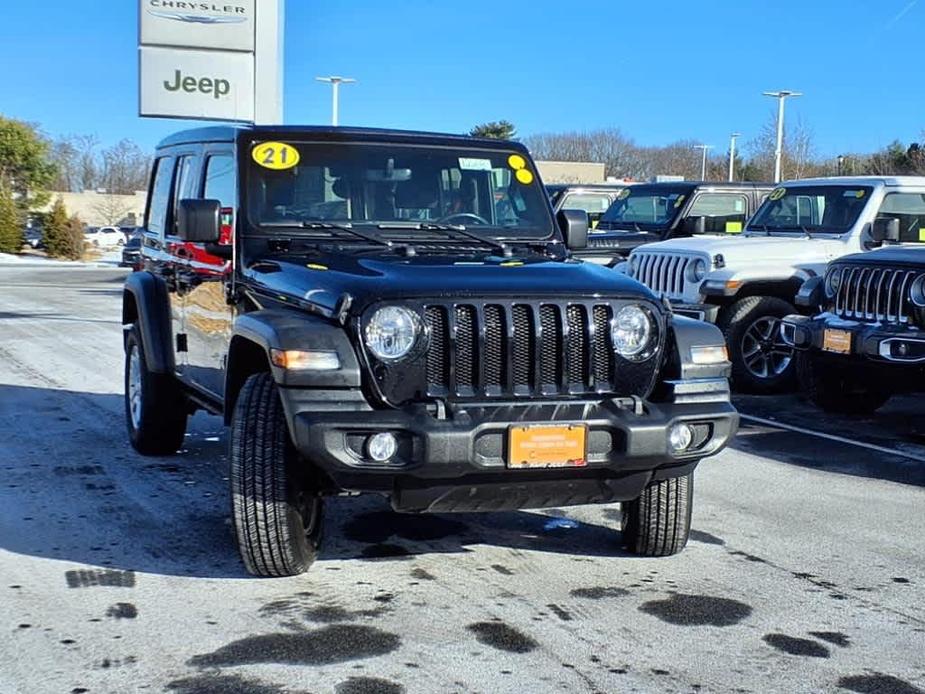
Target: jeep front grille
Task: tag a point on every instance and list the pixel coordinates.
(663, 273)
(542, 348)
(874, 294)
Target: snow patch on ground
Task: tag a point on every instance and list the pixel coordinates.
(107, 259)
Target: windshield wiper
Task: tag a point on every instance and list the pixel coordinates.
(346, 228)
(455, 228)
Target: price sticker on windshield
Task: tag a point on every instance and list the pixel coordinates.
(277, 156)
(777, 194)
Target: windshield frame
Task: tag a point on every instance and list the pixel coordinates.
(649, 191)
(756, 227)
(545, 231)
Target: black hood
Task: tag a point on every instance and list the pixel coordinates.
(888, 255)
(323, 279)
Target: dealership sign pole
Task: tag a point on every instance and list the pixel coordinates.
(219, 60)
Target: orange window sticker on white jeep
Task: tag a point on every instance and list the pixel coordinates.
(276, 155)
(733, 227)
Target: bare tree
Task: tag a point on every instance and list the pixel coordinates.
(86, 163)
(124, 168)
(113, 209)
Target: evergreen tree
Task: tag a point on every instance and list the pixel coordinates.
(56, 232)
(10, 232)
(500, 130)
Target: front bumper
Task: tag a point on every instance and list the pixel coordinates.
(456, 460)
(884, 344)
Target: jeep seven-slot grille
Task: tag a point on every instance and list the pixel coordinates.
(663, 273)
(519, 349)
(874, 294)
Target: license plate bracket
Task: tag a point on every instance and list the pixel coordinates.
(837, 341)
(537, 446)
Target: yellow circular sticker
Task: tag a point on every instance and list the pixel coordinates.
(859, 194)
(516, 162)
(777, 194)
(276, 155)
(677, 203)
(623, 194)
(524, 176)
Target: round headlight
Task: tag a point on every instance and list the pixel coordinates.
(832, 282)
(917, 291)
(392, 332)
(632, 332)
(698, 270)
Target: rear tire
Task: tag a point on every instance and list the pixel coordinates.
(836, 390)
(155, 409)
(278, 517)
(658, 523)
(761, 361)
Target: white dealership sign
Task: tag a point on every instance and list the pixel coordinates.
(214, 60)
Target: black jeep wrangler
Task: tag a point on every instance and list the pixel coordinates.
(647, 212)
(866, 342)
(397, 313)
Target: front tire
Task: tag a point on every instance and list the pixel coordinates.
(155, 409)
(836, 390)
(278, 517)
(762, 362)
(658, 523)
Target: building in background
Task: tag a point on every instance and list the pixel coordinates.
(571, 171)
(97, 208)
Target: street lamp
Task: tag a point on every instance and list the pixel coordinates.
(732, 154)
(335, 81)
(703, 164)
(841, 163)
(781, 96)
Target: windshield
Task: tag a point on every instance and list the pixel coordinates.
(643, 207)
(827, 209)
(490, 191)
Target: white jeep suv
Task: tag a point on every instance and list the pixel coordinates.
(746, 282)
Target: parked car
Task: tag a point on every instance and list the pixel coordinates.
(747, 282)
(594, 199)
(865, 341)
(131, 253)
(365, 319)
(104, 237)
(34, 238)
(650, 212)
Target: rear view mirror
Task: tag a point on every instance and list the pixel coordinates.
(199, 221)
(694, 225)
(574, 226)
(885, 230)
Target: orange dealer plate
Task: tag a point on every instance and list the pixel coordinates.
(542, 446)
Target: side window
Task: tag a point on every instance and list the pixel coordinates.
(724, 212)
(909, 209)
(220, 180)
(182, 188)
(159, 205)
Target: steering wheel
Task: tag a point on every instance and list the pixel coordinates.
(463, 216)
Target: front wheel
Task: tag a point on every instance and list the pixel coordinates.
(658, 523)
(761, 361)
(838, 390)
(277, 514)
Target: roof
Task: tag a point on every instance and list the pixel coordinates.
(690, 185)
(587, 186)
(858, 181)
(231, 133)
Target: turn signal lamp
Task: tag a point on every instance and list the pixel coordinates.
(709, 354)
(296, 360)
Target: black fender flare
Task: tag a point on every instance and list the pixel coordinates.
(145, 303)
(690, 332)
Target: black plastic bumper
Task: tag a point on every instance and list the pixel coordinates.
(899, 345)
(705, 312)
(457, 459)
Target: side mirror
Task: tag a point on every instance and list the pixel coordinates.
(574, 226)
(885, 229)
(199, 221)
(692, 226)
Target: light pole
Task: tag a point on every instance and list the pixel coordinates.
(781, 96)
(841, 163)
(703, 163)
(732, 154)
(335, 81)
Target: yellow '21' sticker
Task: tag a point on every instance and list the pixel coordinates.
(276, 155)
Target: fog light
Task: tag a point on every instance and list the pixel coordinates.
(680, 437)
(381, 447)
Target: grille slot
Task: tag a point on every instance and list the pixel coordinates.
(519, 349)
(874, 294)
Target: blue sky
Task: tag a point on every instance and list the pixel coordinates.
(660, 71)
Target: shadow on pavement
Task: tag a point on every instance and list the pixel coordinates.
(72, 489)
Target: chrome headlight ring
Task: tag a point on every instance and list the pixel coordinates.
(634, 333)
(392, 333)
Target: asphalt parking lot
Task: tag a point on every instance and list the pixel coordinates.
(805, 573)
